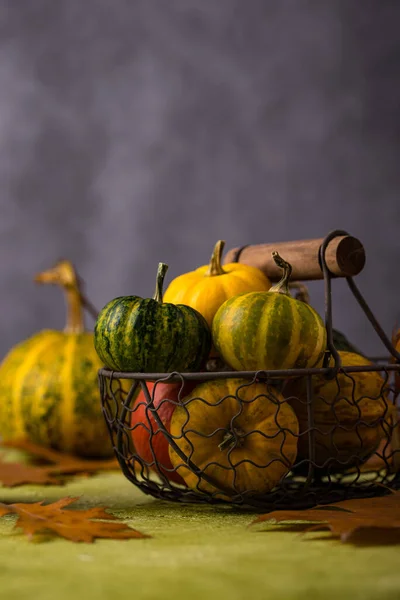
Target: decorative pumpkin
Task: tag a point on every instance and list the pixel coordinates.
(206, 288)
(269, 330)
(242, 435)
(150, 336)
(48, 383)
(150, 443)
(348, 414)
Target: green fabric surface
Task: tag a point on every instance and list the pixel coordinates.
(195, 553)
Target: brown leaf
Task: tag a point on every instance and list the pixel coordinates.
(349, 519)
(58, 464)
(73, 525)
(13, 474)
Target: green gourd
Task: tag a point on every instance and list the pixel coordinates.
(147, 335)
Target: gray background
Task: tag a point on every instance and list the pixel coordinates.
(143, 130)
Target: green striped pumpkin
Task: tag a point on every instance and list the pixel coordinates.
(146, 335)
(48, 383)
(269, 330)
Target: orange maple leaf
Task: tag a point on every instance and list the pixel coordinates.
(74, 525)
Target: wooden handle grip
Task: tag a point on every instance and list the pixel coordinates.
(345, 257)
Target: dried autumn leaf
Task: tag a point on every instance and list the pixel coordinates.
(376, 518)
(13, 474)
(58, 463)
(74, 525)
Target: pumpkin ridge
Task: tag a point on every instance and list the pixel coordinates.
(105, 322)
(139, 334)
(126, 317)
(245, 342)
(233, 311)
(243, 276)
(69, 397)
(124, 343)
(10, 364)
(172, 323)
(20, 375)
(41, 393)
(303, 342)
(318, 331)
(277, 337)
(87, 427)
(299, 338)
(191, 337)
(197, 295)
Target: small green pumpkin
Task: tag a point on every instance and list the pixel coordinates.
(269, 330)
(145, 335)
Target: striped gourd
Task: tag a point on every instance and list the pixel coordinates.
(48, 383)
(269, 330)
(146, 335)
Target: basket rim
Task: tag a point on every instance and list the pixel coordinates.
(260, 374)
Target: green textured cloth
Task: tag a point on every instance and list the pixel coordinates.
(196, 553)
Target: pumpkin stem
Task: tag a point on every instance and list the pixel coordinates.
(282, 287)
(161, 271)
(64, 275)
(231, 440)
(215, 267)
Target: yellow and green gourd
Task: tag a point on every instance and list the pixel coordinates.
(49, 383)
(269, 330)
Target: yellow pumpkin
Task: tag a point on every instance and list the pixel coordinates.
(350, 413)
(206, 288)
(240, 434)
(49, 383)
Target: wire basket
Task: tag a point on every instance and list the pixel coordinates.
(267, 439)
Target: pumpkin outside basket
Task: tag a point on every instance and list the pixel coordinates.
(306, 465)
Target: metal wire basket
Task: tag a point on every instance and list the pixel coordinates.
(266, 439)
